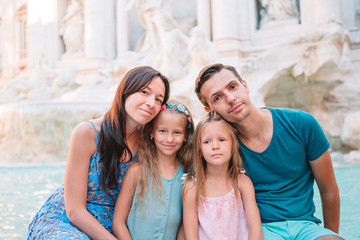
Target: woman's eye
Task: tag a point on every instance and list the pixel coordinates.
(144, 92)
(158, 100)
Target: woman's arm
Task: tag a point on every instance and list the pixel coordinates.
(190, 217)
(247, 193)
(82, 147)
(124, 202)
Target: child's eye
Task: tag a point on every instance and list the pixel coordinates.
(222, 139)
(162, 131)
(206, 142)
(178, 133)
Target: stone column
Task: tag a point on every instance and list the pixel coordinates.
(349, 9)
(34, 34)
(203, 17)
(8, 52)
(122, 34)
(225, 15)
(99, 29)
(42, 33)
(247, 21)
(226, 30)
(320, 11)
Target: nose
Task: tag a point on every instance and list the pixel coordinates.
(150, 101)
(215, 145)
(230, 98)
(170, 138)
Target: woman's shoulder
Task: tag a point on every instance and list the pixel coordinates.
(86, 129)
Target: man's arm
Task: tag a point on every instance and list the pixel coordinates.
(323, 172)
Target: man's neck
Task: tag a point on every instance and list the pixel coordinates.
(256, 130)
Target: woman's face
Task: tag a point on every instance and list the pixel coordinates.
(141, 107)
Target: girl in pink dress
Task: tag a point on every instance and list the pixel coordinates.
(218, 198)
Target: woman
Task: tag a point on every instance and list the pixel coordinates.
(98, 160)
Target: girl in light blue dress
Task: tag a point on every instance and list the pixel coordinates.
(149, 204)
(99, 154)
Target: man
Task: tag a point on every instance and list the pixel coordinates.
(283, 151)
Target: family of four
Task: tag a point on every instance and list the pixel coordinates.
(141, 171)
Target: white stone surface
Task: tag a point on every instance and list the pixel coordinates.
(51, 83)
(350, 135)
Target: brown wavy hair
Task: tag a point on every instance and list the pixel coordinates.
(148, 161)
(208, 72)
(112, 138)
(200, 165)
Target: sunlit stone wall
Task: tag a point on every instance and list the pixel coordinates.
(61, 60)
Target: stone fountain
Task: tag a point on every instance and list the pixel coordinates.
(288, 57)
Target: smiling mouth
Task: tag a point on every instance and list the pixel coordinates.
(235, 108)
(169, 146)
(146, 111)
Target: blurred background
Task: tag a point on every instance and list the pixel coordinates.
(61, 61)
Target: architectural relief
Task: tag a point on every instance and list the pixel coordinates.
(20, 37)
(45, 89)
(274, 11)
(72, 28)
(162, 39)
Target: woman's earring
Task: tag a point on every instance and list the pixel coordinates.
(151, 138)
(185, 141)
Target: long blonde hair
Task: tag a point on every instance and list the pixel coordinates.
(148, 160)
(199, 163)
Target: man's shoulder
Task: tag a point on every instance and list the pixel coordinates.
(288, 113)
(285, 110)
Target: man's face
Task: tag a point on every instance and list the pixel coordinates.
(227, 96)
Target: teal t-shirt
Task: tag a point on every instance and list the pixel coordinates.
(158, 219)
(281, 175)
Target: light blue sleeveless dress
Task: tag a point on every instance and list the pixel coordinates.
(158, 219)
(51, 222)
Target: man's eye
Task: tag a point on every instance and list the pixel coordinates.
(217, 98)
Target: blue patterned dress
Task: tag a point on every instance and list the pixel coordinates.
(51, 222)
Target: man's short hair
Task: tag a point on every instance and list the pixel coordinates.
(208, 72)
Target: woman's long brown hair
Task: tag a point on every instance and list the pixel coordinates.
(112, 138)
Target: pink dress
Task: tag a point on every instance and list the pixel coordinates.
(222, 218)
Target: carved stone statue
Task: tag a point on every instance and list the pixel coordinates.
(202, 52)
(155, 17)
(278, 10)
(163, 44)
(72, 30)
